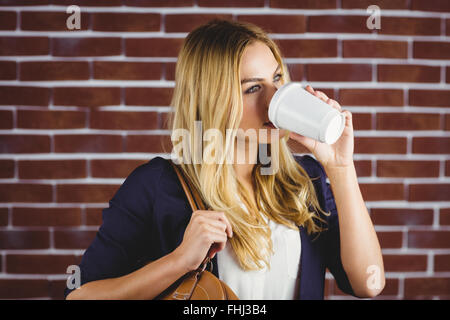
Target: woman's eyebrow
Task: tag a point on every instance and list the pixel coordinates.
(258, 79)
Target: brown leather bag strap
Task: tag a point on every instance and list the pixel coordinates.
(191, 192)
(194, 199)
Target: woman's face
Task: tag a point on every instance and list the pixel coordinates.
(260, 78)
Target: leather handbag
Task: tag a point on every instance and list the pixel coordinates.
(199, 284)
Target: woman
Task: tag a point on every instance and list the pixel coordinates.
(270, 236)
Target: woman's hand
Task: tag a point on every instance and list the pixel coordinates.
(339, 154)
(206, 233)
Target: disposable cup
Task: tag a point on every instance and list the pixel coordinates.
(295, 109)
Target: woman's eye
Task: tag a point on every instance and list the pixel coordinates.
(278, 77)
(252, 89)
(257, 87)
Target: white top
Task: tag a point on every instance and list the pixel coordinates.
(281, 282)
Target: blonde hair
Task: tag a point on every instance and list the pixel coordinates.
(207, 89)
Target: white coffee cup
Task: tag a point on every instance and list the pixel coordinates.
(295, 109)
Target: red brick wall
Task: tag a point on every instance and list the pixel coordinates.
(80, 109)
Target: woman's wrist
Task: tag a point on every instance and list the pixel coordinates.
(179, 261)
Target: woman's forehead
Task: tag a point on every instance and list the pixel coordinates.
(257, 61)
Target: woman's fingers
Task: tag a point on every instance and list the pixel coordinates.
(220, 216)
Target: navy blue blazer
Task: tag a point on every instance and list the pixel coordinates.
(149, 213)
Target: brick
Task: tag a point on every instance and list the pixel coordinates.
(429, 98)
(230, 3)
(401, 216)
(408, 73)
(447, 122)
(142, 96)
(363, 168)
(116, 70)
(170, 70)
(339, 72)
(444, 216)
(390, 239)
(73, 239)
(376, 145)
(90, 143)
(153, 47)
(23, 288)
(127, 22)
(6, 119)
(405, 262)
(54, 70)
(8, 70)
(49, 21)
(46, 217)
(87, 96)
(26, 96)
(374, 49)
(164, 120)
(23, 192)
(52, 119)
(6, 169)
(407, 168)
(382, 191)
(441, 262)
(296, 71)
(307, 48)
(29, 239)
(117, 168)
(429, 192)
(338, 24)
(362, 121)
(189, 22)
(85, 193)
(277, 23)
(24, 46)
(371, 97)
(8, 20)
(52, 169)
(21, 143)
(86, 3)
(431, 145)
(431, 50)
(3, 218)
(383, 4)
(428, 239)
(447, 168)
(39, 263)
(411, 26)
(305, 4)
(159, 3)
(23, 2)
(86, 47)
(94, 216)
(148, 143)
(408, 121)
(124, 120)
(436, 5)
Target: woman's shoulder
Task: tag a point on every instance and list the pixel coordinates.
(149, 176)
(151, 171)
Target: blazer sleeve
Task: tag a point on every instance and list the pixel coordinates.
(331, 237)
(125, 233)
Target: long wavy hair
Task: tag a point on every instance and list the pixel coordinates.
(207, 89)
